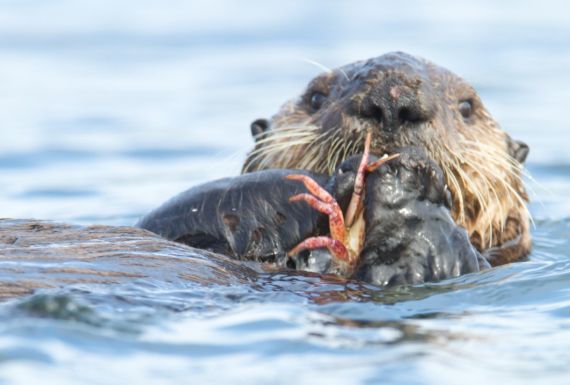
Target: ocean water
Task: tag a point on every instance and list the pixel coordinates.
(107, 108)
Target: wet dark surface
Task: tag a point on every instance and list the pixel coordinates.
(108, 108)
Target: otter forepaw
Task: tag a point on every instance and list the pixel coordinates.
(412, 176)
(411, 236)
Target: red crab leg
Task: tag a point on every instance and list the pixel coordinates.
(356, 200)
(323, 202)
(377, 163)
(313, 187)
(334, 246)
(355, 204)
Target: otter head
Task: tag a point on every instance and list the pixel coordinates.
(408, 101)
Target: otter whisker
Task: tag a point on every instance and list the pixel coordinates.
(317, 64)
(498, 161)
(505, 172)
(455, 187)
(314, 159)
(287, 139)
(496, 199)
(269, 148)
(325, 68)
(329, 154)
(497, 166)
(268, 138)
(335, 154)
(345, 148)
(471, 186)
(265, 154)
(494, 151)
(483, 196)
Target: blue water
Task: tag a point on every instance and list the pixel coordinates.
(107, 108)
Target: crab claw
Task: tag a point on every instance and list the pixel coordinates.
(313, 187)
(377, 163)
(322, 201)
(355, 205)
(343, 246)
(332, 209)
(335, 247)
(356, 200)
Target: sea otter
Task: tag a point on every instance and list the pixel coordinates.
(453, 202)
(409, 101)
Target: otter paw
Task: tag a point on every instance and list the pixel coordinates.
(410, 234)
(411, 176)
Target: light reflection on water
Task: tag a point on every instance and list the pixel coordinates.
(107, 108)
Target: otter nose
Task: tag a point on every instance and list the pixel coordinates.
(397, 102)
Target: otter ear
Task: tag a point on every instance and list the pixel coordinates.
(520, 150)
(517, 149)
(258, 128)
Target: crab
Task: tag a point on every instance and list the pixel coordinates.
(347, 232)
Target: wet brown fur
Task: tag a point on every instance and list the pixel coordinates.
(46, 255)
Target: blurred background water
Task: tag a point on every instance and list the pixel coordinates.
(107, 108)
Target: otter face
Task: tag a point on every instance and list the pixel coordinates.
(405, 101)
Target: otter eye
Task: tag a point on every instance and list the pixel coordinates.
(466, 108)
(317, 100)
